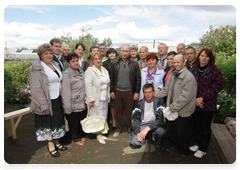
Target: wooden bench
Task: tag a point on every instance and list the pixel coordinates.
(225, 144)
(9, 117)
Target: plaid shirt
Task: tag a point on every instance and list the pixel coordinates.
(210, 84)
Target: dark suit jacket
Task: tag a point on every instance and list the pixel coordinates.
(61, 60)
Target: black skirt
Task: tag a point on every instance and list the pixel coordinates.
(51, 127)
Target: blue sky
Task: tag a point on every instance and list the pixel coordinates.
(31, 25)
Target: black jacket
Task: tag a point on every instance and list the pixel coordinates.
(138, 115)
(135, 75)
(61, 60)
(107, 64)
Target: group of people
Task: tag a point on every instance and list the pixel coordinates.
(140, 86)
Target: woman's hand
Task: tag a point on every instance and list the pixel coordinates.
(46, 112)
(158, 90)
(91, 104)
(199, 101)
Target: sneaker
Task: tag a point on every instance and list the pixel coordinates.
(194, 148)
(199, 154)
(170, 149)
(181, 157)
(116, 134)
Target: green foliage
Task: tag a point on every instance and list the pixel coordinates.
(86, 38)
(23, 96)
(228, 69)
(15, 75)
(20, 49)
(222, 39)
(227, 107)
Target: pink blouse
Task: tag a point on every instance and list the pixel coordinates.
(166, 78)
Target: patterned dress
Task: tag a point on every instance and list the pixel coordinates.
(102, 109)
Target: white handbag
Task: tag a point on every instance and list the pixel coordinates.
(93, 123)
(169, 115)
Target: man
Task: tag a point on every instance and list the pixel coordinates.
(102, 49)
(181, 49)
(162, 59)
(65, 51)
(147, 116)
(190, 53)
(180, 89)
(56, 43)
(125, 85)
(143, 52)
(92, 50)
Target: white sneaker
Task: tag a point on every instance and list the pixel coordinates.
(104, 137)
(194, 148)
(199, 154)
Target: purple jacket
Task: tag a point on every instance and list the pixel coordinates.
(211, 83)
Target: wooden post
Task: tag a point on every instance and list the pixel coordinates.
(10, 127)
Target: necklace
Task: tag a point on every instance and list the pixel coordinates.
(202, 70)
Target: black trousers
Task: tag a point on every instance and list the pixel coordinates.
(75, 126)
(179, 134)
(202, 122)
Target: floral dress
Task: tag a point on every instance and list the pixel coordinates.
(102, 109)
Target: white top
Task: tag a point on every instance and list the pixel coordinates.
(149, 115)
(54, 82)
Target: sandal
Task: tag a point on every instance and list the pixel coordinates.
(60, 147)
(53, 154)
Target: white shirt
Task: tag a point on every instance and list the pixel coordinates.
(149, 115)
(54, 82)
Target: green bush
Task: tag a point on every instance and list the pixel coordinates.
(227, 107)
(15, 76)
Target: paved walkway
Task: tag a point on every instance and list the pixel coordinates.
(27, 150)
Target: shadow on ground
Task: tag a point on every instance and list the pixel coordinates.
(27, 150)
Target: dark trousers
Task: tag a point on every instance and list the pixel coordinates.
(202, 121)
(179, 134)
(75, 126)
(123, 100)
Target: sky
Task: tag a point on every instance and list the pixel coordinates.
(31, 25)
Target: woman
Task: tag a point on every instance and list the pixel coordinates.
(111, 55)
(133, 52)
(151, 74)
(73, 95)
(168, 71)
(79, 50)
(97, 86)
(209, 79)
(45, 84)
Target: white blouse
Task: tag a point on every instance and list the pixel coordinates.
(54, 82)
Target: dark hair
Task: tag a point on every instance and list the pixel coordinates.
(111, 50)
(81, 44)
(191, 48)
(147, 86)
(209, 53)
(70, 56)
(152, 56)
(55, 40)
(102, 44)
(172, 53)
(91, 48)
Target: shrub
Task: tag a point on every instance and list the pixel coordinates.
(23, 96)
(15, 75)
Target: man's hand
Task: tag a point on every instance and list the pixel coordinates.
(46, 112)
(112, 95)
(68, 113)
(139, 138)
(136, 97)
(158, 90)
(160, 67)
(144, 132)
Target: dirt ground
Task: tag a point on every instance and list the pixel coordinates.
(27, 150)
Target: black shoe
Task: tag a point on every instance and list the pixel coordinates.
(134, 147)
(55, 154)
(170, 149)
(61, 148)
(159, 150)
(181, 157)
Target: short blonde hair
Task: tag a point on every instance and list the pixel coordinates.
(44, 47)
(93, 57)
(133, 46)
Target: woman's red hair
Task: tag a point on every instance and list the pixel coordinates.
(209, 53)
(152, 56)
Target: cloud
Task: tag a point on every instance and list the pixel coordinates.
(40, 11)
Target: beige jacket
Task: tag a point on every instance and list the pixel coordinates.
(73, 91)
(185, 90)
(93, 86)
(38, 82)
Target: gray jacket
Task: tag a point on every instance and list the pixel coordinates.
(38, 81)
(73, 91)
(185, 90)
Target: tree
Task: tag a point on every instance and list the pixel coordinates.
(20, 49)
(220, 40)
(86, 38)
(107, 42)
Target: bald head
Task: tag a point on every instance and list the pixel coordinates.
(179, 62)
(124, 51)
